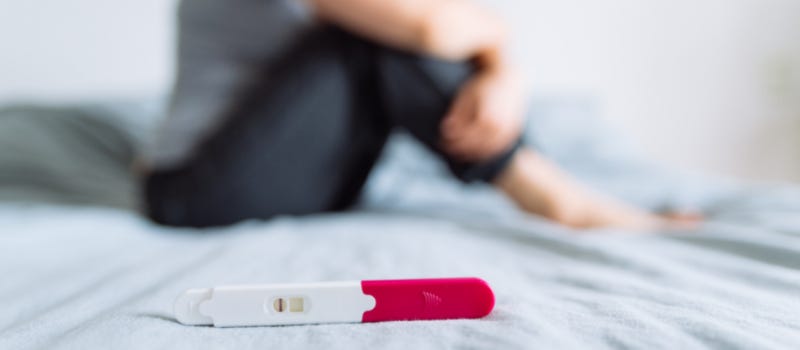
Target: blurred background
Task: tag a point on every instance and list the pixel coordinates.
(703, 85)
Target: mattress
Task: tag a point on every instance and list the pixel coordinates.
(79, 274)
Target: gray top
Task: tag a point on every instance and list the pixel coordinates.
(221, 44)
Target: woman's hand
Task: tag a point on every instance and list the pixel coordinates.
(486, 117)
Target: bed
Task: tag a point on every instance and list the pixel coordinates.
(82, 269)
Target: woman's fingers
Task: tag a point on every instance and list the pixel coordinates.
(464, 146)
(484, 119)
(457, 128)
(459, 116)
(483, 137)
(477, 140)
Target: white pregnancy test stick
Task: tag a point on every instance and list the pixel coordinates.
(335, 302)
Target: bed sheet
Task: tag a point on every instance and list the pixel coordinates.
(83, 277)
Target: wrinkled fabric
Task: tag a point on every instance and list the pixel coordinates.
(78, 277)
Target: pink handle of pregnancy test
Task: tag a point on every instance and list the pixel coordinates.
(428, 299)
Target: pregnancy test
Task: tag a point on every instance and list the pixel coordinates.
(335, 302)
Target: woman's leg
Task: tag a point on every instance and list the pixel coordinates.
(302, 141)
(417, 93)
(538, 186)
(305, 139)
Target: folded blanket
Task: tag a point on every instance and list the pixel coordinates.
(65, 155)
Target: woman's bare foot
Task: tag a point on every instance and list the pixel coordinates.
(538, 186)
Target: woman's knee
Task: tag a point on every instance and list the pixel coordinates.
(445, 77)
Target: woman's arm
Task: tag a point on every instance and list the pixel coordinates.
(485, 118)
(447, 29)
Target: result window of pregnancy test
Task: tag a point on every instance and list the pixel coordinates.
(291, 304)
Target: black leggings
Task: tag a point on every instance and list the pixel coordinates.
(305, 140)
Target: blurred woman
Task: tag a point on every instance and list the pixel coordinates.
(283, 107)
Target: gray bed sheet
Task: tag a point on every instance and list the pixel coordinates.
(84, 277)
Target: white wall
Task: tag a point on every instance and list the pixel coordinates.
(77, 49)
(711, 85)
